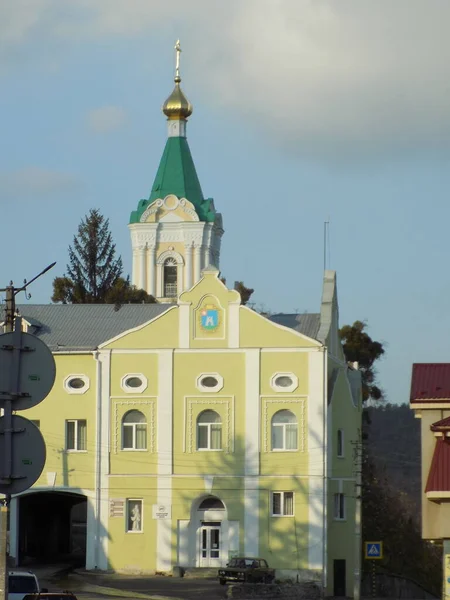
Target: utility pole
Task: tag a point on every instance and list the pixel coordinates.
(6, 476)
(357, 457)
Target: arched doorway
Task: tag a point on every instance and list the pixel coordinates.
(52, 526)
(209, 532)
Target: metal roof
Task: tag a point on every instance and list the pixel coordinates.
(430, 381)
(439, 475)
(306, 323)
(443, 425)
(85, 326)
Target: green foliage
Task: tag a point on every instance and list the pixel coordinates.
(359, 347)
(244, 291)
(123, 292)
(94, 274)
(388, 514)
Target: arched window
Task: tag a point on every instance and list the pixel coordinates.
(209, 431)
(284, 430)
(170, 277)
(340, 443)
(134, 431)
(211, 503)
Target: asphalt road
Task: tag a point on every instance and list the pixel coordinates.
(124, 586)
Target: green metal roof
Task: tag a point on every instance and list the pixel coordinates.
(177, 175)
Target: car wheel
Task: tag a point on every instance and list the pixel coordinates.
(222, 581)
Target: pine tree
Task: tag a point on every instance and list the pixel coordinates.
(93, 270)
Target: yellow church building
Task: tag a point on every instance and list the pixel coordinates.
(186, 432)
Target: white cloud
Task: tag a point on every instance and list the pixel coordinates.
(331, 75)
(106, 119)
(31, 182)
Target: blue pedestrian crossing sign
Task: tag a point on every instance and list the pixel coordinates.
(373, 550)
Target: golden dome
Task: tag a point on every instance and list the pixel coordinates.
(177, 106)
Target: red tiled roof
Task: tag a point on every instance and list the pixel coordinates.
(439, 475)
(430, 381)
(443, 425)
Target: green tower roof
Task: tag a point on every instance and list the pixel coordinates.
(177, 175)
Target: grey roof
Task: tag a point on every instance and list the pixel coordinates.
(307, 323)
(85, 326)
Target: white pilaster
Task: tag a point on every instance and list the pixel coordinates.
(151, 258)
(317, 450)
(206, 255)
(135, 269)
(142, 268)
(165, 458)
(188, 268)
(103, 376)
(183, 324)
(252, 450)
(197, 263)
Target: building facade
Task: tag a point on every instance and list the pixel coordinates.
(185, 432)
(430, 400)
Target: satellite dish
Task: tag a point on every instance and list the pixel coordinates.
(36, 374)
(28, 455)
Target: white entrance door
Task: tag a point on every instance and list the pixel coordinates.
(210, 545)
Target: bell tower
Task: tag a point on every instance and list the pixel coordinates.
(176, 232)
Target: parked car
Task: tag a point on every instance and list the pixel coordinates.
(246, 570)
(21, 583)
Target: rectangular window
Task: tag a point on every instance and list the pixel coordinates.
(134, 516)
(340, 443)
(339, 507)
(76, 434)
(282, 504)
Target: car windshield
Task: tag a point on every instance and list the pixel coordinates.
(20, 584)
(244, 563)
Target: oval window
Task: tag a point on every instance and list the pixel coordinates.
(76, 383)
(283, 381)
(133, 382)
(209, 381)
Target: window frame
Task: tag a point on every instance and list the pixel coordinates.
(340, 450)
(207, 389)
(77, 423)
(339, 507)
(172, 265)
(288, 389)
(283, 427)
(134, 436)
(127, 515)
(282, 495)
(134, 390)
(208, 427)
(71, 390)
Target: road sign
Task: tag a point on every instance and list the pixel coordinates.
(28, 455)
(373, 550)
(37, 370)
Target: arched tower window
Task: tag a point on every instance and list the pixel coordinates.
(170, 278)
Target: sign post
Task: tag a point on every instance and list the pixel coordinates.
(21, 387)
(373, 551)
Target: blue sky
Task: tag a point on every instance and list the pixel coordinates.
(303, 112)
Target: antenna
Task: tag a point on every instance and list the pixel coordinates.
(326, 244)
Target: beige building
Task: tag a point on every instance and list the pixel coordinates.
(430, 400)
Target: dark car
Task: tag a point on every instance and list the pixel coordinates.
(246, 570)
